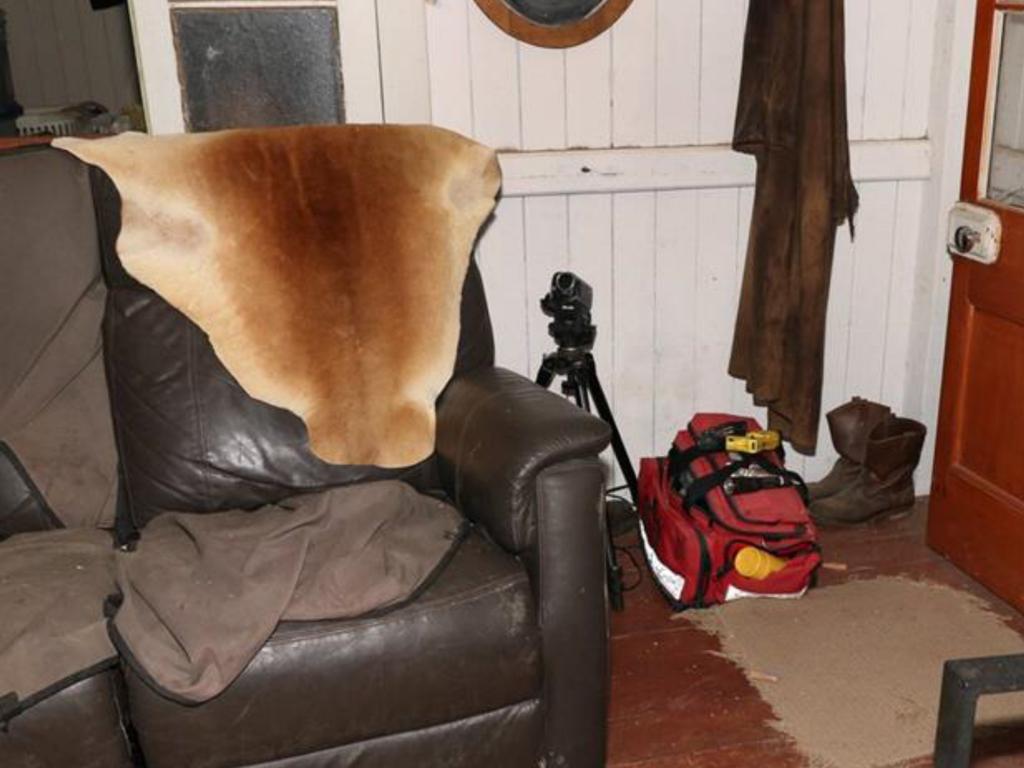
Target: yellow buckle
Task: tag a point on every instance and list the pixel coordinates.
(753, 442)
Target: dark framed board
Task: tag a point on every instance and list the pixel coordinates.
(253, 67)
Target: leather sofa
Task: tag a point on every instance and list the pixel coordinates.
(500, 661)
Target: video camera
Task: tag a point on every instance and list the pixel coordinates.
(568, 304)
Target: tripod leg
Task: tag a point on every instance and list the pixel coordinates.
(545, 374)
(578, 383)
(614, 571)
(573, 386)
(612, 567)
(579, 396)
(605, 412)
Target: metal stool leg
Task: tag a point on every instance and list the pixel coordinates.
(963, 681)
(955, 732)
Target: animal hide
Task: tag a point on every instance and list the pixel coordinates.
(325, 263)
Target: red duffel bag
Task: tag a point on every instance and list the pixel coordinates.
(720, 491)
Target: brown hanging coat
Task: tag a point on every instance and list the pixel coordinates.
(791, 116)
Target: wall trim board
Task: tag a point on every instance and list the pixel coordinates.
(581, 171)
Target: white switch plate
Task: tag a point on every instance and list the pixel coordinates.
(983, 221)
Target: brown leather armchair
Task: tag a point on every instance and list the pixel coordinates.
(501, 661)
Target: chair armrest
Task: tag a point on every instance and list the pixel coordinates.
(523, 463)
(496, 431)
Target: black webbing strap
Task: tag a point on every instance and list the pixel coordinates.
(698, 490)
(713, 441)
(706, 443)
(792, 478)
(679, 461)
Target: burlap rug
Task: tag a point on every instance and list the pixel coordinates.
(853, 671)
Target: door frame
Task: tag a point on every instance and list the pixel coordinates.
(156, 57)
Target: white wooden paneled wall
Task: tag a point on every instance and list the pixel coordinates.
(666, 265)
(617, 166)
(64, 52)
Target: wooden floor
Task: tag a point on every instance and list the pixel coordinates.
(674, 705)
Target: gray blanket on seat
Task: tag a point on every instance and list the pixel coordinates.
(201, 594)
(52, 631)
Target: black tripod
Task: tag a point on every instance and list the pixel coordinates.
(577, 365)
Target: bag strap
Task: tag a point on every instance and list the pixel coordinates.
(704, 444)
(789, 477)
(698, 490)
(712, 441)
(679, 461)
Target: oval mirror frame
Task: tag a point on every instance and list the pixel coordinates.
(563, 35)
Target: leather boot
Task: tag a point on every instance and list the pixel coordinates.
(885, 484)
(849, 425)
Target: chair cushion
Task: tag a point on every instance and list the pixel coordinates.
(80, 726)
(468, 645)
(509, 737)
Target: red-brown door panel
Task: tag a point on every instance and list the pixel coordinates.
(982, 532)
(989, 446)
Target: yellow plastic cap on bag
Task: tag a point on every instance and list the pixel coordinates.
(755, 563)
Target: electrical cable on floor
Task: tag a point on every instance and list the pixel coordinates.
(635, 558)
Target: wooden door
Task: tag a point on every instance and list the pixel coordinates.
(977, 506)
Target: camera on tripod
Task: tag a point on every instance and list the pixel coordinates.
(568, 304)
